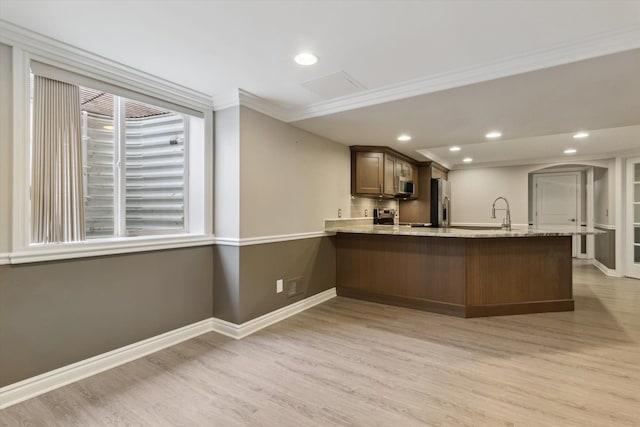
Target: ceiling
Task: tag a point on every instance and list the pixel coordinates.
(443, 71)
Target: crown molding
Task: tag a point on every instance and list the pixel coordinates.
(546, 162)
(66, 56)
(228, 99)
(429, 155)
(590, 47)
(241, 97)
(247, 99)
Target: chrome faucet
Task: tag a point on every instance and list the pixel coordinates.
(506, 222)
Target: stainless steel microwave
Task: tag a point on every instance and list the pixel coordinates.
(404, 186)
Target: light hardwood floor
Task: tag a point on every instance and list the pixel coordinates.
(349, 362)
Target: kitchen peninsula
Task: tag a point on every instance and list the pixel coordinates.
(456, 271)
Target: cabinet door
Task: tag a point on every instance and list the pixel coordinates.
(390, 165)
(369, 172)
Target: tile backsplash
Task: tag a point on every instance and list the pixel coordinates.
(360, 204)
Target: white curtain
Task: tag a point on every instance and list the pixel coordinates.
(57, 201)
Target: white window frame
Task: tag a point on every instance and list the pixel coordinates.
(27, 47)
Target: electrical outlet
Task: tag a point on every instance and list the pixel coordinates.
(279, 286)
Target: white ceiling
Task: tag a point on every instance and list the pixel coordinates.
(411, 50)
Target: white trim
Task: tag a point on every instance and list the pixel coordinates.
(590, 239)
(91, 248)
(604, 226)
(4, 258)
(243, 98)
(31, 387)
(247, 241)
(589, 47)
(66, 56)
(632, 268)
(620, 213)
(604, 269)
(247, 99)
(236, 331)
(21, 226)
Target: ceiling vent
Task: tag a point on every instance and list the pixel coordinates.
(334, 85)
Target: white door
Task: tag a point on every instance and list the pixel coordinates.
(633, 218)
(557, 201)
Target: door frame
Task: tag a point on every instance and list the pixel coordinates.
(576, 253)
(631, 269)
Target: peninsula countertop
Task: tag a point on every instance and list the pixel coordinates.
(457, 231)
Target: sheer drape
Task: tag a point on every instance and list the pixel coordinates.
(57, 202)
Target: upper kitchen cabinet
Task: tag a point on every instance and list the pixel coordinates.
(382, 172)
(367, 173)
(439, 172)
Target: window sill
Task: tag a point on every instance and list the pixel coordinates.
(100, 247)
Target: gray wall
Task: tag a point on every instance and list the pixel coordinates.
(245, 277)
(605, 248)
(56, 313)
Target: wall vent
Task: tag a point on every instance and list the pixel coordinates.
(295, 286)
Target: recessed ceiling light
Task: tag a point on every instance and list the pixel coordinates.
(467, 160)
(570, 151)
(493, 134)
(107, 127)
(454, 148)
(305, 58)
(404, 138)
(581, 135)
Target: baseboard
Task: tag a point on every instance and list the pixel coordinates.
(242, 330)
(34, 386)
(606, 270)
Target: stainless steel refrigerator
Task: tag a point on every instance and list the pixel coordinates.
(440, 203)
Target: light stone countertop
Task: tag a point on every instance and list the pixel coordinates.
(457, 231)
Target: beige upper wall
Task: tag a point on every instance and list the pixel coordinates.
(291, 180)
(6, 130)
(474, 190)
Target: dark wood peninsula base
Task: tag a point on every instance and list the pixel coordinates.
(465, 277)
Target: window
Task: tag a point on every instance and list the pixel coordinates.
(134, 164)
(145, 160)
(144, 150)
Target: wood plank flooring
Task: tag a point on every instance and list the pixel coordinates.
(354, 363)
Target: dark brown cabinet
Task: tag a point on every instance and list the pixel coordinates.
(367, 173)
(377, 171)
